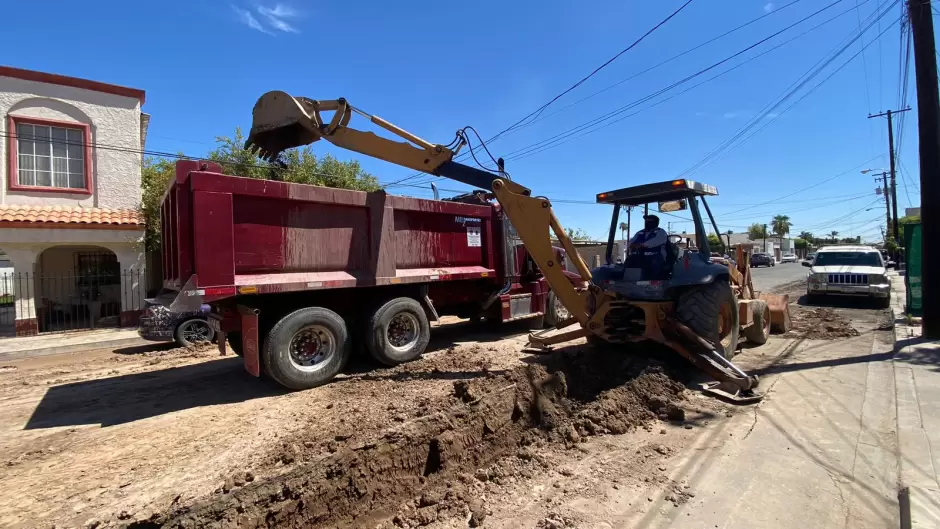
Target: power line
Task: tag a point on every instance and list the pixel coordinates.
(565, 136)
(858, 16)
(539, 110)
(661, 63)
(814, 71)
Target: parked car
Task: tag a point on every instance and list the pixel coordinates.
(809, 259)
(159, 324)
(788, 258)
(762, 259)
(849, 271)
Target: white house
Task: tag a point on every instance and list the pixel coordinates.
(69, 222)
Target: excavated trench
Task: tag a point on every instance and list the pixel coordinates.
(430, 462)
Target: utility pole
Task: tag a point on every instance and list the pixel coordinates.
(765, 239)
(928, 125)
(892, 224)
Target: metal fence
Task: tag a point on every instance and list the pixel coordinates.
(43, 303)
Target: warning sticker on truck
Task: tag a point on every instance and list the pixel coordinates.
(473, 237)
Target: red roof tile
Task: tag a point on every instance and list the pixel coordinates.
(70, 215)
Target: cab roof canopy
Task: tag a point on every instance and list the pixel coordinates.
(658, 192)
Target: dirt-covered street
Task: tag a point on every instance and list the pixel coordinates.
(477, 433)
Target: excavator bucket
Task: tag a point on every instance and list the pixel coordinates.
(280, 122)
(779, 305)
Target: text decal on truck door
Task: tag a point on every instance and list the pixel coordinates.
(473, 237)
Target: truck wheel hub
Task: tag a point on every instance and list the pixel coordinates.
(402, 331)
(311, 346)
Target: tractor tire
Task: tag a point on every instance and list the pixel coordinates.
(759, 331)
(554, 310)
(398, 332)
(307, 348)
(703, 309)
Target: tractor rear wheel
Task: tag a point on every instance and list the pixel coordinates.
(711, 311)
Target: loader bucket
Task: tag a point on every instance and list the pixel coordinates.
(279, 122)
(779, 305)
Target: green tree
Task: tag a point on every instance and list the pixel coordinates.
(296, 165)
(623, 230)
(714, 242)
(834, 236)
(577, 234)
(780, 225)
(756, 231)
(800, 243)
(806, 236)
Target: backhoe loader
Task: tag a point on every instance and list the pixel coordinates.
(696, 311)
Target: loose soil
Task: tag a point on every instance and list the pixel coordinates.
(819, 324)
(144, 436)
(436, 464)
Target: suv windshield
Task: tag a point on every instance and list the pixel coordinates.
(848, 259)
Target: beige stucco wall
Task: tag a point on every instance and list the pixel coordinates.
(115, 122)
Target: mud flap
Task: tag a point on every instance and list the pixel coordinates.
(250, 354)
(779, 305)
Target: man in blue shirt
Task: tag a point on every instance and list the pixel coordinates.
(649, 248)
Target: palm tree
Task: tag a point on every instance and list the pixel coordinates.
(781, 225)
(834, 235)
(623, 230)
(806, 236)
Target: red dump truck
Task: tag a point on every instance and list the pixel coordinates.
(297, 276)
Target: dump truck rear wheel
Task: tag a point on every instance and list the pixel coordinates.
(398, 332)
(307, 348)
(758, 332)
(711, 311)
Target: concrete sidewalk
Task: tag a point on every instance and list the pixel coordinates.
(917, 379)
(71, 342)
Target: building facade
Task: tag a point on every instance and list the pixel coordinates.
(70, 229)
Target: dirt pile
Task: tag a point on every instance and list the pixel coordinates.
(437, 467)
(820, 324)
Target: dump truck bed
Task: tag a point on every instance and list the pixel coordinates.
(224, 235)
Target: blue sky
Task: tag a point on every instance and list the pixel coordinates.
(433, 68)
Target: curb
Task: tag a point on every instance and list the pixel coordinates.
(75, 348)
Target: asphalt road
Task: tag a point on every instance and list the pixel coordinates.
(767, 279)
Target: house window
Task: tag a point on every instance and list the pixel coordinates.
(97, 268)
(50, 156)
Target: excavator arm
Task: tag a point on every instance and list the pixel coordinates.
(281, 121)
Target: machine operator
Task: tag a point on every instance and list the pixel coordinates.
(648, 249)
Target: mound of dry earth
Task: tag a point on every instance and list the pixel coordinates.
(432, 468)
(819, 324)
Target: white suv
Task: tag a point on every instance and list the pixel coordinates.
(849, 271)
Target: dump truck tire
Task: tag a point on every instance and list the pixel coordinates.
(700, 309)
(759, 331)
(398, 332)
(554, 310)
(307, 348)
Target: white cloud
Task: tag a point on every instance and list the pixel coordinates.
(731, 115)
(771, 115)
(768, 7)
(249, 20)
(277, 16)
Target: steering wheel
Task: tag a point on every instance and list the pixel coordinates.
(674, 239)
